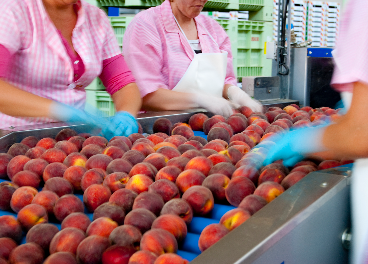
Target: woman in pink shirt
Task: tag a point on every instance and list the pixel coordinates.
(182, 59)
(50, 51)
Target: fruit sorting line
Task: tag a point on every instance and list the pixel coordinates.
(303, 225)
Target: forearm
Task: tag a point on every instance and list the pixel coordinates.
(224, 92)
(128, 99)
(16, 102)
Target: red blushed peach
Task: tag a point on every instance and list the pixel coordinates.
(75, 159)
(155, 138)
(61, 258)
(184, 131)
(276, 166)
(267, 136)
(6, 192)
(66, 146)
(126, 236)
(234, 218)
(316, 116)
(18, 149)
(252, 203)
(305, 162)
(180, 208)
(27, 253)
(16, 165)
(300, 113)
(47, 199)
(119, 165)
(216, 146)
(301, 117)
(31, 215)
(273, 129)
(176, 140)
(222, 142)
(254, 136)
(90, 150)
(218, 133)
(170, 258)
(192, 153)
(217, 183)
(210, 235)
(207, 125)
(274, 175)
(292, 178)
(92, 176)
(36, 165)
(163, 135)
(165, 188)
(169, 173)
(139, 183)
(52, 170)
(165, 144)
(76, 220)
(179, 162)
(282, 123)
(74, 175)
(60, 186)
(150, 201)
(156, 159)
(233, 154)
(123, 198)
(189, 178)
(67, 240)
(301, 123)
(269, 190)
(67, 205)
(140, 218)
(163, 125)
(30, 141)
(95, 195)
(327, 164)
(172, 223)
(142, 256)
(179, 124)
(126, 140)
(283, 115)
(200, 199)
(245, 110)
(53, 155)
(305, 169)
(200, 139)
(123, 145)
(255, 128)
(225, 168)
(110, 210)
(6, 246)
(4, 161)
(27, 178)
(237, 189)
(143, 140)
(225, 125)
(218, 158)
(242, 149)
(77, 141)
(290, 109)
(159, 241)
(113, 152)
(42, 235)
(90, 250)
(96, 140)
(102, 226)
(144, 148)
(244, 138)
(296, 106)
(237, 123)
(65, 134)
(135, 136)
(183, 148)
(247, 171)
(144, 168)
(262, 123)
(195, 144)
(116, 181)
(169, 152)
(46, 143)
(99, 161)
(271, 116)
(196, 121)
(306, 108)
(10, 227)
(117, 254)
(201, 164)
(22, 197)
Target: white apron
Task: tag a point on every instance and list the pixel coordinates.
(205, 74)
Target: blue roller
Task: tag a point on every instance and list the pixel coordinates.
(190, 244)
(186, 255)
(199, 223)
(219, 210)
(201, 134)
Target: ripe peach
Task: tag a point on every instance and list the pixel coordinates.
(194, 143)
(77, 220)
(156, 159)
(16, 165)
(30, 141)
(169, 173)
(169, 152)
(66, 146)
(116, 181)
(77, 141)
(100, 161)
(96, 140)
(150, 201)
(123, 144)
(126, 140)
(126, 236)
(233, 154)
(22, 197)
(102, 226)
(218, 133)
(18, 149)
(225, 125)
(47, 199)
(140, 218)
(196, 121)
(292, 178)
(6, 246)
(225, 168)
(66, 205)
(170, 258)
(290, 109)
(267, 136)
(273, 129)
(61, 258)
(95, 195)
(144, 148)
(247, 171)
(237, 123)
(113, 152)
(53, 155)
(244, 138)
(200, 199)
(278, 166)
(10, 227)
(271, 116)
(201, 164)
(119, 165)
(180, 208)
(189, 178)
(144, 168)
(142, 256)
(274, 175)
(159, 241)
(165, 188)
(155, 138)
(305, 169)
(27, 253)
(90, 150)
(218, 158)
(67, 240)
(306, 108)
(327, 164)
(6, 192)
(234, 218)
(237, 189)
(110, 210)
(163, 125)
(91, 248)
(60, 186)
(42, 234)
(4, 161)
(36, 165)
(184, 131)
(143, 140)
(163, 135)
(283, 115)
(179, 162)
(26, 178)
(192, 153)
(245, 110)
(269, 190)
(65, 134)
(185, 147)
(252, 203)
(139, 183)
(169, 144)
(200, 139)
(210, 235)
(282, 123)
(92, 176)
(123, 198)
(46, 143)
(217, 183)
(216, 146)
(31, 215)
(306, 162)
(207, 125)
(262, 123)
(135, 136)
(254, 136)
(75, 159)
(74, 175)
(52, 170)
(301, 123)
(176, 140)
(172, 223)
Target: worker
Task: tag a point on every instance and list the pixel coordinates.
(182, 59)
(50, 51)
(348, 136)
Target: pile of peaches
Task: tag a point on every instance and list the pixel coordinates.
(143, 191)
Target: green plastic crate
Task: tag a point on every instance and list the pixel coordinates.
(219, 4)
(250, 5)
(102, 101)
(130, 3)
(96, 85)
(119, 24)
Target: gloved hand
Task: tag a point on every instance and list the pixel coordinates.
(121, 124)
(216, 105)
(238, 96)
(292, 146)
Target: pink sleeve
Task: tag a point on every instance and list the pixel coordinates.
(115, 74)
(351, 54)
(5, 56)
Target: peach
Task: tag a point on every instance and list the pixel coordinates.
(31, 215)
(305, 162)
(216, 146)
(183, 148)
(163, 135)
(292, 178)
(252, 203)
(290, 109)
(126, 236)
(234, 218)
(67, 205)
(343, 161)
(327, 164)
(273, 129)
(155, 139)
(269, 190)
(281, 123)
(4, 161)
(143, 140)
(77, 220)
(126, 140)
(117, 254)
(135, 136)
(180, 208)
(156, 159)
(113, 152)
(301, 123)
(163, 125)
(90, 150)
(165, 188)
(189, 178)
(36, 165)
(246, 111)
(27, 178)
(218, 133)
(184, 131)
(255, 128)
(52, 170)
(95, 195)
(42, 234)
(119, 165)
(200, 139)
(267, 136)
(306, 108)
(30, 141)
(210, 235)
(301, 117)
(283, 115)
(140, 128)
(67, 240)
(237, 123)
(47, 199)
(96, 140)
(92, 176)
(304, 168)
(296, 106)
(46, 143)
(100, 161)
(6, 246)
(247, 171)
(233, 154)
(198, 145)
(74, 175)
(159, 241)
(192, 153)
(142, 256)
(85, 135)
(225, 168)
(16, 165)
(60, 186)
(200, 199)
(116, 181)
(244, 138)
(53, 155)
(140, 218)
(300, 113)
(225, 125)
(66, 146)
(317, 116)
(196, 121)
(77, 141)
(6, 192)
(176, 140)
(65, 134)
(168, 144)
(123, 198)
(179, 124)
(122, 144)
(75, 159)
(144, 148)
(18, 149)
(139, 183)
(276, 166)
(170, 258)
(102, 226)
(169, 173)
(173, 224)
(91, 248)
(150, 201)
(179, 162)
(22, 197)
(218, 158)
(271, 116)
(274, 175)
(217, 183)
(144, 168)
(27, 253)
(237, 189)
(110, 210)
(262, 123)
(61, 258)
(207, 125)
(10, 227)
(169, 152)
(254, 136)
(243, 149)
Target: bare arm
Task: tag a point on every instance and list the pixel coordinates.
(128, 99)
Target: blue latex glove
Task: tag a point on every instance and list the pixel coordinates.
(122, 124)
(292, 146)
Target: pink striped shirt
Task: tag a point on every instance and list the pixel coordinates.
(40, 63)
(351, 53)
(158, 54)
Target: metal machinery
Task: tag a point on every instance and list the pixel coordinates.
(303, 225)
